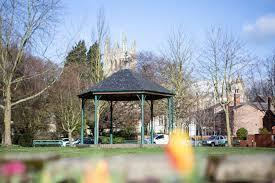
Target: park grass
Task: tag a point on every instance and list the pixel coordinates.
(105, 152)
(80, 152)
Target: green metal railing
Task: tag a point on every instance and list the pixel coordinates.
(47, 142)
(131, 142)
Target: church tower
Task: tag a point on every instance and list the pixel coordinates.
(119, 56)
(238, 93)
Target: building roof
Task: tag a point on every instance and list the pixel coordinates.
(124, 85)
(257, 105)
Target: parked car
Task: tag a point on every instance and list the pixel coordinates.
(64, 141)
(195, 142)
(147, 141)
(215, 140)
(74, 142)
(87, 140)
(161, 139)
(164, 139)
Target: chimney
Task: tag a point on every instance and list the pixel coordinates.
(268, 103)
(237, 99)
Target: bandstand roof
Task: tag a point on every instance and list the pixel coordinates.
(126, 85)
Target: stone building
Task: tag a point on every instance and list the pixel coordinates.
(119, 56)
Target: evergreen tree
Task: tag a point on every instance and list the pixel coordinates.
(94, 61)
(77, 54)
(95, 74)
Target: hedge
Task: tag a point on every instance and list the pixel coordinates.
(116, 140)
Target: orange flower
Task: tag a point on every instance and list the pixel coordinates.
(180, 152)
(98, 175)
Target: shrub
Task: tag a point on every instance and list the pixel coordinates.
(25, 140)
(242, 134)
(263, 131)
(116, 140)
(126, 133)
(105, 140)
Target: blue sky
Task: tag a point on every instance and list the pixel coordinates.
(149, 22)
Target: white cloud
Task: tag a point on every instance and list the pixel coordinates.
(262, 29)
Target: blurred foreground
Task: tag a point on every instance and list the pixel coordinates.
(144, 167)
(177, 161)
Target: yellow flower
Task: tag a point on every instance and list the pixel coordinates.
(180, 152)
(98, 175)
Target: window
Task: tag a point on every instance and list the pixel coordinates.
(212, 138)
(160, 137)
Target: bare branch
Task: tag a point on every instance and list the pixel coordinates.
(29, 77)
(223, 56)
(37, 94)
(177, 54)
(101, 26)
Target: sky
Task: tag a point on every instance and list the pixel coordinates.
(149, 22)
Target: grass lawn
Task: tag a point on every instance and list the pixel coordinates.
(86, 152)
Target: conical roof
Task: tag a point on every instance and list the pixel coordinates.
(124, 85)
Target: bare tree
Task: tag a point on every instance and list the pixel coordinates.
(21, 24)
(203, 109)
(222, 60)
(102, 27)
(178, 53)
(153, 66)
(262, 78)
(67, 107)
(70, 117)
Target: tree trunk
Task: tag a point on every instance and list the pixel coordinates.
(70, 137)
(228, 129)
(7, 117)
